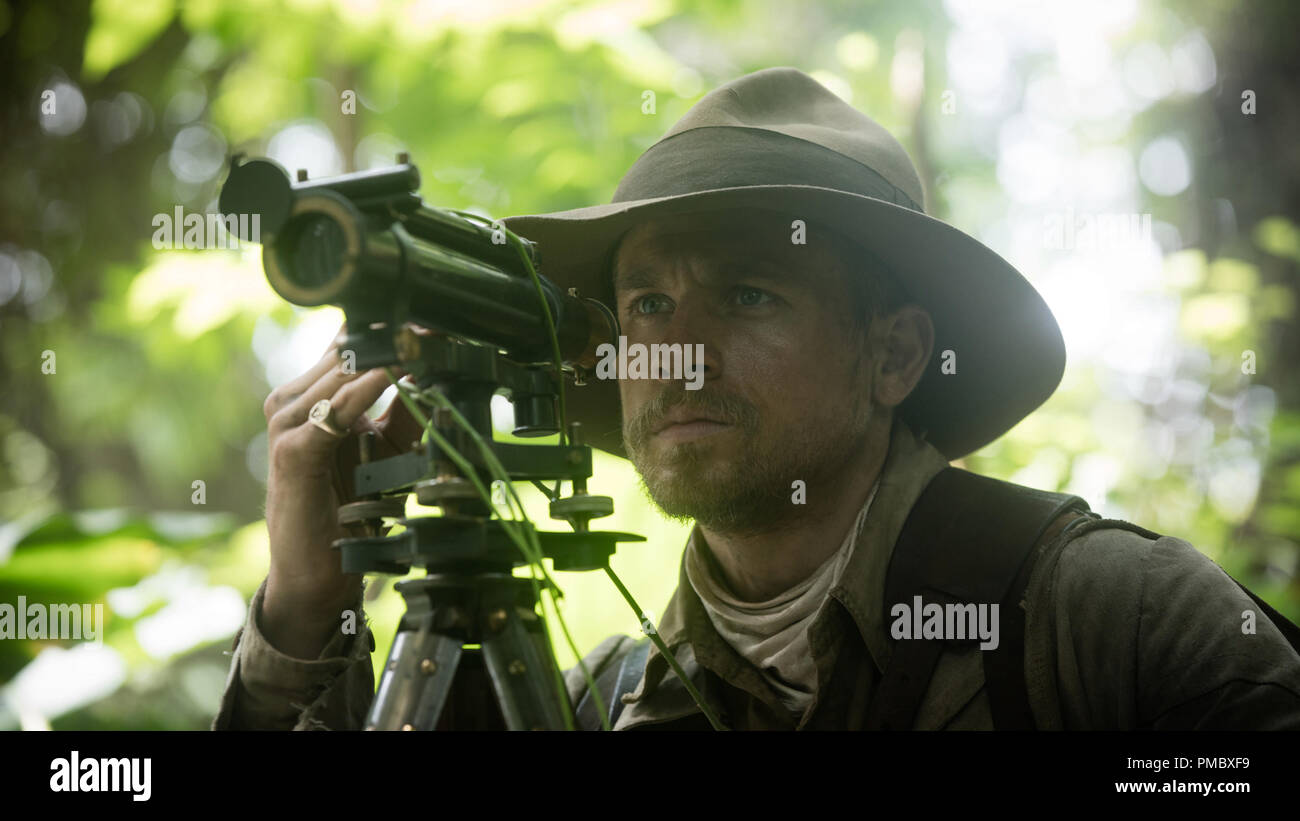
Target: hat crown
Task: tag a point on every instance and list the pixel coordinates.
(787, 101)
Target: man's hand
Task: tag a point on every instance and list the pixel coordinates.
(310, 477)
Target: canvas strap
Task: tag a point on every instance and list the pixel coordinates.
(967, 540)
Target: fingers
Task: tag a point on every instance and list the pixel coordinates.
(295, 413)
(350, 402)
(285, 394)
(288, 405)
(306, 448)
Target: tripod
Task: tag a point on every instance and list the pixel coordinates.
(470, 625)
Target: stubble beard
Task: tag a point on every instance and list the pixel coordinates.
(748, 487)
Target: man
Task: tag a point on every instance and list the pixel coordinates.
(782, 230)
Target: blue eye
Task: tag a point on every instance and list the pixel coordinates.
(639, 304)
(752, 296)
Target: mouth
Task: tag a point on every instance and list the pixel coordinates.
(687, 427)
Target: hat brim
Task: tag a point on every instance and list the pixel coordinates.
(1007, 352)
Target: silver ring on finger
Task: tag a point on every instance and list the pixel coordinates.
(322, 416)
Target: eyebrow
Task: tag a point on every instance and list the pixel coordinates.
(635, 278)
(758, 269)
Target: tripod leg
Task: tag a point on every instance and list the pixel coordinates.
(520, 664)
(417, 678)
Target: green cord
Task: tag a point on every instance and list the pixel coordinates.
(518, 244)
(517, 531)
(663, 650)
(525, 538)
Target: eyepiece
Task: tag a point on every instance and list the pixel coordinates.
(315, 243)
(313, 260)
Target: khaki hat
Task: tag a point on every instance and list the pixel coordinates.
(779, 140)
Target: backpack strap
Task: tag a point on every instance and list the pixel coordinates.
(613, 682)
(1004, 667)
(967, 540)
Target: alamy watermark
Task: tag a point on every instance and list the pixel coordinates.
(950, 621)
(205, 231)
(1085, 231)
(77, 774)
(655, 361)
(76, 622)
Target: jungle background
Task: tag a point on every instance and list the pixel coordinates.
(1179, 410)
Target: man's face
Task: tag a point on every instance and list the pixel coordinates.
(787, 379)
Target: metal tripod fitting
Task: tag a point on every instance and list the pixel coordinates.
(430, 647)
(581, 507)
(369, 511)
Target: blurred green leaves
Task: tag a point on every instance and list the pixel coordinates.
(122, 29)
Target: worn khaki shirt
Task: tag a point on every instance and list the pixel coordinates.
(1122, 632)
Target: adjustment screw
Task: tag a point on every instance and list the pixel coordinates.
(428, 667)
(517, 668)
(497, 619)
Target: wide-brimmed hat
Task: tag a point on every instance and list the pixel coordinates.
(779, 140)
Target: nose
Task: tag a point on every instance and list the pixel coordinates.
(688, 351)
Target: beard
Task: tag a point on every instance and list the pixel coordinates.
(744, 486)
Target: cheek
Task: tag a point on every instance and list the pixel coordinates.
(791, 377)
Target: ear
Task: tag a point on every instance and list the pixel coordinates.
(901, 345)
